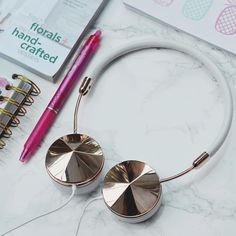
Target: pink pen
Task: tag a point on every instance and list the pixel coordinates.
(58, 100)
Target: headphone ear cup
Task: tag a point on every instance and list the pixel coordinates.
(132, 191)
(76, 159)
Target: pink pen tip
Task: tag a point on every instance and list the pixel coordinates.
(24, 155)
(98, 33)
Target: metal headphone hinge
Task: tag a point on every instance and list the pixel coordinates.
(85, 86)
(201, 160)
(197, 164)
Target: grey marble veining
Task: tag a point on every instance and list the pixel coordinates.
(157, 106)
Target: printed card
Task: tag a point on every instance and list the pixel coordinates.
(211, 20)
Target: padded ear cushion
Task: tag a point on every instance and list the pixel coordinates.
(132, 191)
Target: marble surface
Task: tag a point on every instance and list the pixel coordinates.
(161, 107)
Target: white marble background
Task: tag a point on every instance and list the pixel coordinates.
(156, 106)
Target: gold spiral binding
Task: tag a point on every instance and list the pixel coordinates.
(15, 121)
(21, 110)
(2, 144)
(6, 130)
(18, 90)
(28, 99)
(36, 90)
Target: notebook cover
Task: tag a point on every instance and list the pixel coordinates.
(42, 35)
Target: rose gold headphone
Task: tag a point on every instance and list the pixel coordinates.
(132, 190)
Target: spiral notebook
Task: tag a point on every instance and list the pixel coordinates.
(13, 99)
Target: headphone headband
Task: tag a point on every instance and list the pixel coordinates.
(148, 44)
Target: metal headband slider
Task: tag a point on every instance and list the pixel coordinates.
(85, 86)
(201, 160)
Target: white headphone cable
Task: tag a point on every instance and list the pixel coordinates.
(84, 209)
(44, 214)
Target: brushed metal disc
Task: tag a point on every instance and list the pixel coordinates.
(74, 159)
(132, 189)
